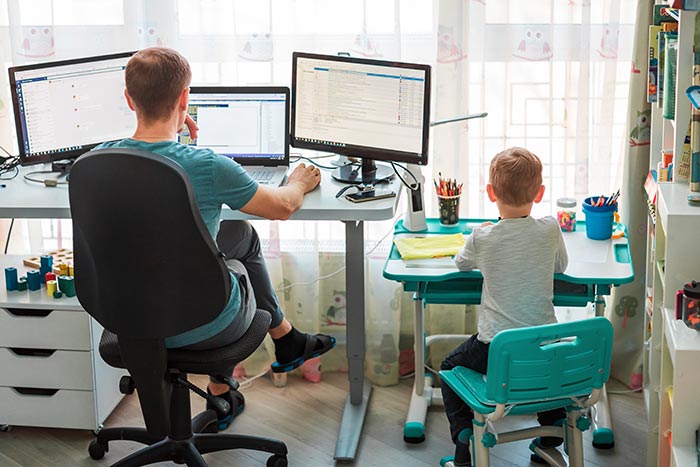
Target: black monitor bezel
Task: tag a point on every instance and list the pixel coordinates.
(378, 154)
(24, 157)
(255, 90)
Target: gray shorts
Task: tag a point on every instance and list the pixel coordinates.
(243, 318)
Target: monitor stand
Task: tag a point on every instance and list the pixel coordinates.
(368, 174)
(364, 178)
(63, 166)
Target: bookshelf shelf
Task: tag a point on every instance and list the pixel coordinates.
(672, 350)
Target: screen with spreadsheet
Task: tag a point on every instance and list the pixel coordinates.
(359, 107)
(63, 109)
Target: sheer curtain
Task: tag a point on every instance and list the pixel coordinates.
(553, 75)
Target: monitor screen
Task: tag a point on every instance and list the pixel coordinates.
(359, 107)
(247, 124)
(63, 109)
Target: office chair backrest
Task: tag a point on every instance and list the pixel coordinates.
(549, 362)
(146, 267)
(145, 264)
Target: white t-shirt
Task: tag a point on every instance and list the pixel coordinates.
(518, 259)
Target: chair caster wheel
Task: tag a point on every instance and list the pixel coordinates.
(5, 428)
(97, 450)
(413, 440)
(126, 385)
(277, 461)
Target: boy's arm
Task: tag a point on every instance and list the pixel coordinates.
(466, 258)
(561, 258)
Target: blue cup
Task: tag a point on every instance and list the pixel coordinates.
(599, 219)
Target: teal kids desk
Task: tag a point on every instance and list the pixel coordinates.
(595, 266)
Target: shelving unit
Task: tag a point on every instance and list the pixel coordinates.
(671, 349)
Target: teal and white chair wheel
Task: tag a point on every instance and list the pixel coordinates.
(603, 438)
(413, 432)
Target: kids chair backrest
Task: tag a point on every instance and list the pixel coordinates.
(549, 362)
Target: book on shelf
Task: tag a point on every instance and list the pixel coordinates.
(653, 81)
(694, 165)
(669, 74)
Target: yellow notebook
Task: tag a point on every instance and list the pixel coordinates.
(433, 246)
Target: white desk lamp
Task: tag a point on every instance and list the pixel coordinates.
(414, 220)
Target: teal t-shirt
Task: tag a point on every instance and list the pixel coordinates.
(215, 180)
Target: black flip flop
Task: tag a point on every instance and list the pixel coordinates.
(309, 352)
(236, 409)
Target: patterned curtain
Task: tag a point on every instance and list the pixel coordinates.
(626, 307)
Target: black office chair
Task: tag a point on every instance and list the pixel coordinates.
(147, 268)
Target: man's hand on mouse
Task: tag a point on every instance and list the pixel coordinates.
(308, 176)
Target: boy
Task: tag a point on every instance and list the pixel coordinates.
(157, 89)
(518, 257)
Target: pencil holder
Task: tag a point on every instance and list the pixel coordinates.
(599, 219)
(449, 210)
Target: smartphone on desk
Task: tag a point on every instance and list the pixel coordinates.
(362, 196)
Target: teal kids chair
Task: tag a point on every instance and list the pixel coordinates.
(532, 370)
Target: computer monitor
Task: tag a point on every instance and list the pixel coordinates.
(372, 109)
(65, 108)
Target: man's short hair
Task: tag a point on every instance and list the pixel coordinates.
(155, 78)
(516, 176)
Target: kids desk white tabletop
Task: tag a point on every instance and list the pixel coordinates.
(595, 266)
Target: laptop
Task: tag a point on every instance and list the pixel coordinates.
(247, 124)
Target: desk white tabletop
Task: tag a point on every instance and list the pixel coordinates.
(20, 198)
(602, 261)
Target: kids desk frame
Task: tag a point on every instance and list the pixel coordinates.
(595, 266)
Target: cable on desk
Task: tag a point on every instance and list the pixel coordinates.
(8, 163)
(299, 157)
(4, 171)
(48, 182)
(413, 187)
(9, 232)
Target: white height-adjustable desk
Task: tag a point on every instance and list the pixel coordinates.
(23, 199)
(595, 266)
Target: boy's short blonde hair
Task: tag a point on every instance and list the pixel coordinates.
(516, 176)
(155, 77)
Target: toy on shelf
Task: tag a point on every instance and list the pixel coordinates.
(55, 270)
(11, 278)
(57, 258)
(51, 287)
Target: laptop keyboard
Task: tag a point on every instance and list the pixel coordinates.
(261, 176)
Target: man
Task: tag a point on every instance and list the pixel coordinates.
(157, 89)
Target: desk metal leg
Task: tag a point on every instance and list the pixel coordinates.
(603, 437)
(424, 394)
(414, 428)
(356, 403)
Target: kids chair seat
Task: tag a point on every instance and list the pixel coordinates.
(533, 370)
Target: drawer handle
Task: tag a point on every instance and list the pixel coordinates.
(29, 312)
(32, 352)
(36, 391)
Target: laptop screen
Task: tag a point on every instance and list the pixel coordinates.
(247, 124)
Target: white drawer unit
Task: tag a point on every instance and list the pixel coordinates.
(51, 373)
(44, 328)
(56, 408)
(38, 368)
